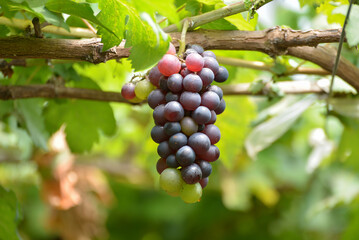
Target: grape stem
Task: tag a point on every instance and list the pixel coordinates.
(185, 26)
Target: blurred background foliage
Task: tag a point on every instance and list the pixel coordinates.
(77, 169)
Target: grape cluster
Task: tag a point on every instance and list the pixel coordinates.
(185, 106)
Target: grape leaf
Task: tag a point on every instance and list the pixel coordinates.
(269, 131)
(165, 8)
(147, 40)
(31, 112)
(82, 10)
(351, 30)
(83, 119)
(9, 215)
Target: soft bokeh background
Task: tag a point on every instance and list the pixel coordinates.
(286, 171)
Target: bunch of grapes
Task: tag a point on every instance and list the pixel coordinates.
(185, 106)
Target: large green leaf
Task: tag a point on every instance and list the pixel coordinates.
(9, 215)
(83, 119)
(31, 112)
(82, 10)
(269, 131)
(147, 40)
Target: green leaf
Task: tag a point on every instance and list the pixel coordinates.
(263, 135)
(82, 10)
(9, 215)
(346, 106)
(149, 43)
(83, 119)
(165, 8)
(351, 30)
(4, 30)
(31, 112)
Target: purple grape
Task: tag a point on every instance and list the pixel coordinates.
(216, 89)
(177, 141)
(154, 76)
(172, 97)
(173, 111)
(155, 98)
(199, 49)
(221, 107)
(194, 62)
(207, 76)
(171, 128)
(210, 100)
(209, 54)
(163, 84)
(205, 166)
(164, 149)
(201, 127)
(221, 75)
(213, 133)
(191, 174)
(161, 165)
(128, 91)
(190, 101)
(211, 155)
(201, 115)
(203, 182)
(213, 117)
(159, 115)
(188, 52)
(185, 156)
(172, 162)
(192, 83)
(199, 142)
(185, 72)
(174, 83)
(158, 134)
(211, 63)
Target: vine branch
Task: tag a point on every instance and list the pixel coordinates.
(54, 91)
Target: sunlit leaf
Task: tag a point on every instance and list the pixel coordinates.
(9, 216)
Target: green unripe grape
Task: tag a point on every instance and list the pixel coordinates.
(143, 89)
(135, 100)
(171, 181)
(191, 193)
(188, 126)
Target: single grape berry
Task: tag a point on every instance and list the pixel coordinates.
(216, 89)
(143, 89)
(188, 126)
(194, 62)
(206, 168)
(174, 83)
(155, 98)
(169, 64)
(159, 115)
(191, 193)
(199, 49)
(154, 76)
(201, 115)
(221, 107)
(221, 75)
(173, 111)
(163, 84)
(184, 72)
(206, 75)
(172, 97)
(177, 141)
(213, 133)
(171, 128)
(128, 91)
(213, 117)
(161, 165)
(191, 174)
(171, 180)
(203, 182)
(172, 162)
(192, 83)
(211, 155)
(158, 134)
(199, 142)
(164, 149)
(211, 63)
(185, 156)
(190, 100)
(209, 54)
(210, 100)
